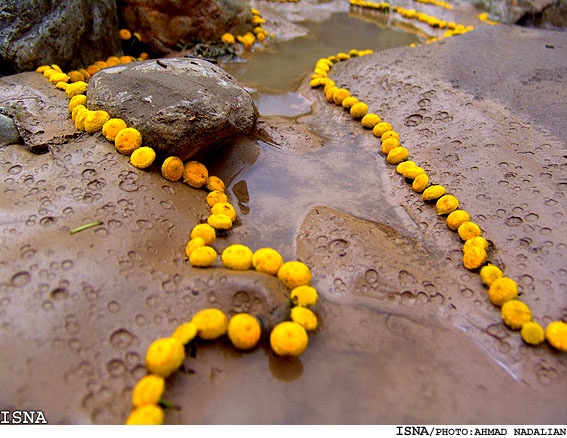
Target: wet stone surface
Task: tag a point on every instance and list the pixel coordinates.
(406, 334)
(40, 116)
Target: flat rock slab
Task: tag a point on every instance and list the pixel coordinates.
(182, 106)
(38, 110)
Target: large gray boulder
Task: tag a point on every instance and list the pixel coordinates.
(181, 106)
(70, 33)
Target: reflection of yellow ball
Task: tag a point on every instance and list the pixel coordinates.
(244, 331)
(288, 339)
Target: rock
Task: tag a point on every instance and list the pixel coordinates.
(71, 34)
(164, 24)
(8, 132)
(184, 107)
(38, 110)
(547, 15)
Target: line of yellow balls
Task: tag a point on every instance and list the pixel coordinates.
(502, 291)
(164, 356)
(436, 3)
(452, 28)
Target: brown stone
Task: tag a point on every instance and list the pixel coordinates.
(165, 23)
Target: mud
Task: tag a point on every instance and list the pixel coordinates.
(406, 334)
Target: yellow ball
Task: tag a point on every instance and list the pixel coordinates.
(244, 331)
(238, 257)
(294, 274)
(165, 356)
(267, 260)
(148, 390)
(202, 257)
(358, 110)
(502, 290)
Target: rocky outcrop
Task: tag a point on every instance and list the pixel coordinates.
(182, 106)
(68, 33)
(37, 110)
(548, 15)
(165, 23)
(8, 132)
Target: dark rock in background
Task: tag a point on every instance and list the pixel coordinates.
(181, 106)
(71, 34)
(163, 24)
(552, 15)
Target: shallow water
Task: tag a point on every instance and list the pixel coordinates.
(283, 184)
(281, 66)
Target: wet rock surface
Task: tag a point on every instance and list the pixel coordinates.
(38, 111)
(182, 106)
(406, 334)
(164, 24)
(71, 34)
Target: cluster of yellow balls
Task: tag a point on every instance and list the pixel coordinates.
(248, 39)
(502, 291)
(436, 3)
(294, 275)
(288, 338)
(452, 28)
(164, 356)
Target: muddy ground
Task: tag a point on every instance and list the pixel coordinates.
(406, 335)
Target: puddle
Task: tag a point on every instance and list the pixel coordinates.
(280, 67)
(287, 105)
(281, 187)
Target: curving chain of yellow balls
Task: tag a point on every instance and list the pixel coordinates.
(452, 28)
(288, 338)
(166, 355)
(502, 291)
